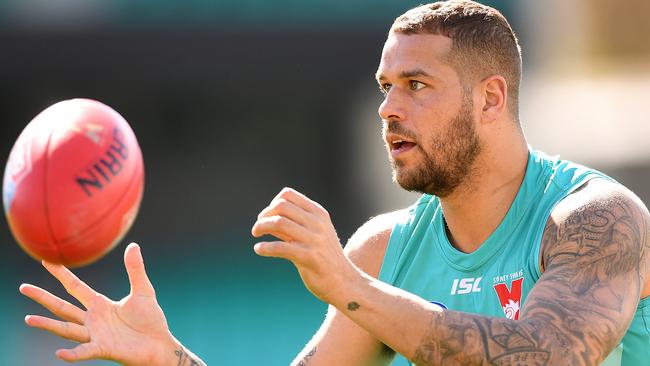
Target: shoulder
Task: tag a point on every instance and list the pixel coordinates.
(600, 221)
(367, 246)
(604, 199)
(598, 193)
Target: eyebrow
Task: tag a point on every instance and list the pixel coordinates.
(407, 74)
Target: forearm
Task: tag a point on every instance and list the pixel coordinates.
(428, 335)
(340, 341)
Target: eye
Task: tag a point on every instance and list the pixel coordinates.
(384, 88)
(416, 85)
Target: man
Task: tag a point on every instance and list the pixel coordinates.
(509, 258)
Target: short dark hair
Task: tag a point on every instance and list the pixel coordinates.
(483, 43)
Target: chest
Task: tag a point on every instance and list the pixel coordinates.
(496, 287)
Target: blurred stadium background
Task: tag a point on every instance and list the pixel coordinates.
(233, 99)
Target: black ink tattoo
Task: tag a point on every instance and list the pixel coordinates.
(186, 358)
(305, 359)
(353, 305)
(594, 264)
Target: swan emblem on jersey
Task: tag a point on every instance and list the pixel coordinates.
(510, 298)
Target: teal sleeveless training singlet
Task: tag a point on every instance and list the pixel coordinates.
(495, 279)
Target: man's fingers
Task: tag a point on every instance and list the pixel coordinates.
(288, 209)
(280, 249)
(282, 228)
(140, 284)
(85, 351)
(75, 287)
(67, 330)
(300, 200)
(54, 304)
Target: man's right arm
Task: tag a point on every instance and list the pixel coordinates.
(340, 341)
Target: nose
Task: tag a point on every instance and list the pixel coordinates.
(392, 108)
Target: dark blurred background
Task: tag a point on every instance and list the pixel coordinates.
(233, 100)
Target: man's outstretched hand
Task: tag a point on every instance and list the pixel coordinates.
(132, 331)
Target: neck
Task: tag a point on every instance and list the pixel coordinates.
(475, 209)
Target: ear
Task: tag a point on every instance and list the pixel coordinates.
(495, 96)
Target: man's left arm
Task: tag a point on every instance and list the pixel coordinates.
(595, 265)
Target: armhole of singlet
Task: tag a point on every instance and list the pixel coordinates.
(644, 306)
(536, 264)
(394, 248)
(399, 236)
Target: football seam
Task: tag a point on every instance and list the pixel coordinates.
(52, 243)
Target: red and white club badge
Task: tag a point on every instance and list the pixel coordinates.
(510, 298)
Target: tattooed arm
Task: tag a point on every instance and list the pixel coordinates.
(595, 259)
(595, 266)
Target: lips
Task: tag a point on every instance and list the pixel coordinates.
(398, 144)
(401, 144)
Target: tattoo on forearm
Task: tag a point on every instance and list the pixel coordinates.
(305, 359)
(594, 263)
(353, 305)
(186, 358)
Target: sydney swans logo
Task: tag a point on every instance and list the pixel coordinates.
(510, 298)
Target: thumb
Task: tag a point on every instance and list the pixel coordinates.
(140, 284)
(84, 351)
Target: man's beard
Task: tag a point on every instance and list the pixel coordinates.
(455, 152)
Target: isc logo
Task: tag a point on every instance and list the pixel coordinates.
(466, 285)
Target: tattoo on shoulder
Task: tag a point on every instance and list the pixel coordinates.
(308, 356)
(597, 243)
(186, 358)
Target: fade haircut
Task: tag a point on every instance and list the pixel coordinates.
(483, 43)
